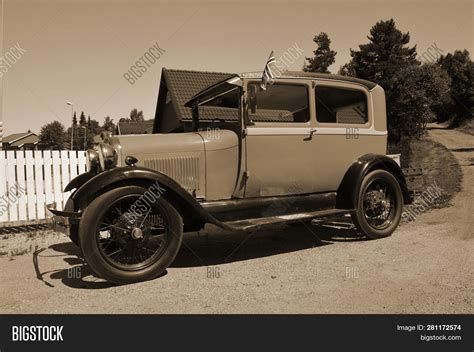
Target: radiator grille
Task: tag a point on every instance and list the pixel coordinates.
(184, 169)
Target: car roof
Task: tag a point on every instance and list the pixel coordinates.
(313, 75)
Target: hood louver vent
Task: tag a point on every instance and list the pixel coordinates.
(184, 169)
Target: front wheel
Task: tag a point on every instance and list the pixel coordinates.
(379, 205)
(129, 236)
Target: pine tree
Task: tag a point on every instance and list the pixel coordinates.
(323, 55)
(74, 119)
(384, 56)
(82, 119)
(387, 60)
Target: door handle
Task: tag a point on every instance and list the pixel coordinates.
(311, 132)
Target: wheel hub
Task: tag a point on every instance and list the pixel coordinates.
(134, 232)
(131, 240)
(378, 205)
(137, 233)
(376, 201)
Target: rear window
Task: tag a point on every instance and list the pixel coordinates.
(341, 105)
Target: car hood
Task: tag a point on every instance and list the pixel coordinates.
(179, 155)
(156, 145)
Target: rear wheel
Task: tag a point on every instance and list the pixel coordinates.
(379, 205)
(126, 238)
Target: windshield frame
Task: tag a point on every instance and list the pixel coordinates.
(210, 93)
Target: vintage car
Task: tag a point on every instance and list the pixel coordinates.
(309, 145)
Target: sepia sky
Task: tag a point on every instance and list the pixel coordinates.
(79, 50)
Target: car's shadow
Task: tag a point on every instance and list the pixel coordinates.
(210, 247)
(214, 247)
(77, 275)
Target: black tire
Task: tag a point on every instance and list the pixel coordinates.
(99, 213)
(366, 205)
(74, 230)
(74, 237)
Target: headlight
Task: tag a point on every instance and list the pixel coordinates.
(92, 160)
(107, 156)
(102, 157)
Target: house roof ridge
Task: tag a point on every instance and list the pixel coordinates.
(198, 71)
(22, 135)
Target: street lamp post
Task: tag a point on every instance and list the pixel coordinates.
(72, 125)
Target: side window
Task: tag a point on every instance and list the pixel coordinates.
(340, 105)
(281, 102)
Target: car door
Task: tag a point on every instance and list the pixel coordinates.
(344, 130)
(278, 140)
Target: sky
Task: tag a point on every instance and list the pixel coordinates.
(79, 51)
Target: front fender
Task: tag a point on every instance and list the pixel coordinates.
(350, 185)
(78, 181)
(185, 203)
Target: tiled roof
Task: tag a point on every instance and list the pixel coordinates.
(13, 137)
(183, 85)
(28, 139)
(218, 112)
(232, 114)
(267, 115)
(134, 127)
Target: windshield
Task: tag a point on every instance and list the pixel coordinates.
(217, 102)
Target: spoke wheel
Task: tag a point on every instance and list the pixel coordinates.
(132, 241)
(124, 241)
(379, 205)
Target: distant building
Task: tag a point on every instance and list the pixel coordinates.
(135, 127)
(20, 141)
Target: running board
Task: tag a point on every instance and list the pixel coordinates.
(252, 224)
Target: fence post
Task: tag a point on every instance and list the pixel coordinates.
(3, 187)
(30, 180)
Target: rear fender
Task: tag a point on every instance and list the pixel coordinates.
(350, 186)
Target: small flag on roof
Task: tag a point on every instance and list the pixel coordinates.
(268, 75)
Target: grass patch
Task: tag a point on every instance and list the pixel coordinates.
(20, 243)
(467, 127)
(439, 166)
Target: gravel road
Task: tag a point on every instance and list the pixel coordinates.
(425, 267)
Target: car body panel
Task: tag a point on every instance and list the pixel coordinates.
(313, 155)
(222, 163)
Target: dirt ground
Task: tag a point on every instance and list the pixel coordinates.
(425, 267)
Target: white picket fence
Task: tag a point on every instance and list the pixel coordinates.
(31, 179)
